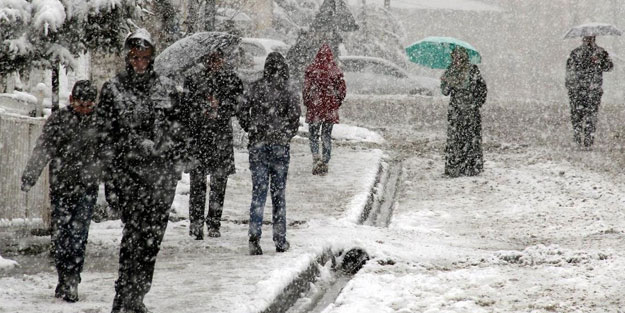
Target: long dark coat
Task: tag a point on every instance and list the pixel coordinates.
(70, 141)
(211, 101)
(463, 152)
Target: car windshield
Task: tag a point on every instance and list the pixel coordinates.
(282, 49)
(252, 49)
(371, 66)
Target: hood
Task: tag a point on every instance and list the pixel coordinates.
(141, 36)
(276, 67)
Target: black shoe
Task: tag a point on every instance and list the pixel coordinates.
(59, 292)
(197, 235)
(255, 248)
(71, 293)
(214, 233)
(284, 247)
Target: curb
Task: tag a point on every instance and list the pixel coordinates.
(301, 284)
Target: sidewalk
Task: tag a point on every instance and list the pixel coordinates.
(217, 274)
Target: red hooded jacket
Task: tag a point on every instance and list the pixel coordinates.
(324, 88)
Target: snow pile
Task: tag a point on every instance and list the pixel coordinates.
(549, 255)
(7, 264)
(349, 133)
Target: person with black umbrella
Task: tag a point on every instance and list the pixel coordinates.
(584, 80)
(212, 98)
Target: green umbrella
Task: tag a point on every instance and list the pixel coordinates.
(435, 52)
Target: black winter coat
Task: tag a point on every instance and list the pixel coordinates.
(71, 143)
(211, 101)
(582, 73)
(271, 114)
(135, 111)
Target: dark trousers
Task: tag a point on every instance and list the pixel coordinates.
(323, 130)
(584, 105)
(197, 200)
(269, 165)
(71, 217)
(144, 212)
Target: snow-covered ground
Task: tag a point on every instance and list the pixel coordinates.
(541, 230)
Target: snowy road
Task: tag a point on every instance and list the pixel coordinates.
(541, 230)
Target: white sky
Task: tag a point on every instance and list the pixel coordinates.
(466, 5)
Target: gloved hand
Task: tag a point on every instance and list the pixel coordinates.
(26, 187)
(147, 147)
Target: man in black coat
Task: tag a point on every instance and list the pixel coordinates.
(271, 117)
(70, 143)
(137, 108)
(584, 80)
(212, 99)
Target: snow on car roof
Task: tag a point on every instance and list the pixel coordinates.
(368, 58)
(269, 44)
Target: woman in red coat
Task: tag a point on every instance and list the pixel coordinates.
(323, 93)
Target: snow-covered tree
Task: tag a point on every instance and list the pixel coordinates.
(15, 48)
(379, 35)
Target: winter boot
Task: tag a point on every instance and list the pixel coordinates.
(323, 168)
(71, 295)
(60, 290)
(214, 232)
(71, 289)
(284, 247)
(254, 247)
(196, 232)
(316, 164)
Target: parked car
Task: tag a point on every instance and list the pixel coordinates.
(371, 75)
(253, 52)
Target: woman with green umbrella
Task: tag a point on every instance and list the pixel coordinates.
(464, 83)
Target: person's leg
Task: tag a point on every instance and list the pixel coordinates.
(576, 107)
(218, 183)
(326, 139)
(60, 217)
(78, 231)
(197, 203)
(143, 233)
(314, 130)
(260, 181)
(591, 116)
(278, 169)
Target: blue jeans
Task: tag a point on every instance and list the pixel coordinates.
(269, 165)
(71, 217)
(325, 130)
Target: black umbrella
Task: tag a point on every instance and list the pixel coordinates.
(187, 52)
(334, 15)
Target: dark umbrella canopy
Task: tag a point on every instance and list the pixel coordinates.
(334, 15)
(187, 52)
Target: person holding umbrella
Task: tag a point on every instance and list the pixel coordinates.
(212, 98)
(584, 80)
(464, 83)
